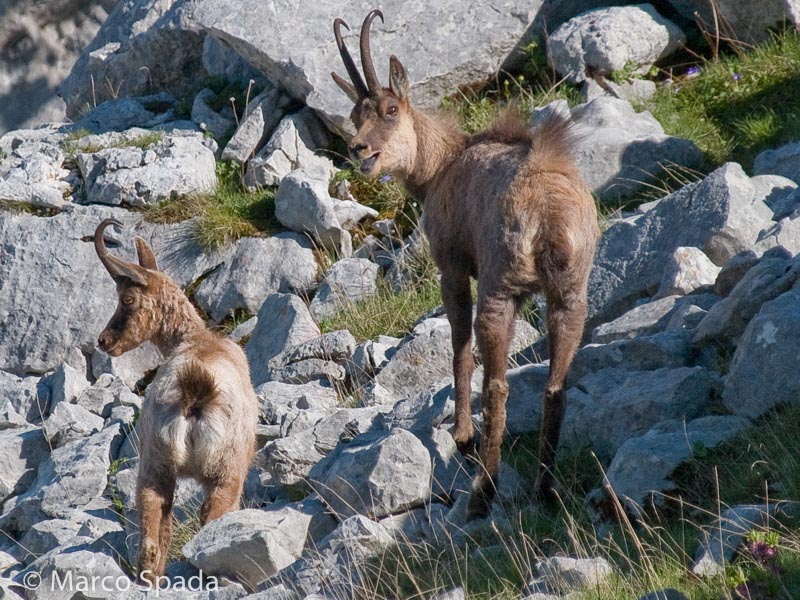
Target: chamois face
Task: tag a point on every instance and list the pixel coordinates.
(385, 139)
(139, 287)
(133, 323)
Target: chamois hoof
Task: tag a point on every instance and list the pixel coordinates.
(468, 449)
(480, 500)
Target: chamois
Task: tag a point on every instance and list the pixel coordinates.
(200, 412)
(507, 207)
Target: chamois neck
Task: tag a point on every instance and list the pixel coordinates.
(180, 324)
(438, 142)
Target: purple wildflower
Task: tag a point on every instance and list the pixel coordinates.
(736, 76)
(693, 71)
(762, 552)
(385, 179)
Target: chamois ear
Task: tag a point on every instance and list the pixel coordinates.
(398, 80)
(146, 257)
(347, 87)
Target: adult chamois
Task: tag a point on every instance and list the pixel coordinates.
(200, 412)
(505, 206)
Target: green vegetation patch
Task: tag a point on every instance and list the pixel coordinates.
(224, 216)
(736, 106)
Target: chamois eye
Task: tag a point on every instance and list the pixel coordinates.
(127, 299)
(392, 110)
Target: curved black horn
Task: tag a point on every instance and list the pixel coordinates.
(116, 267)
(352, 70)
(373, 84)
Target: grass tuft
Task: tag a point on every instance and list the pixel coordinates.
(228, 214)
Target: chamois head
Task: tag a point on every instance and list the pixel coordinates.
(385, 139)
(136, 318)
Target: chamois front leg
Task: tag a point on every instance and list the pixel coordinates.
(457, 299)
(564, 329)
(493, 328)
(154, 503)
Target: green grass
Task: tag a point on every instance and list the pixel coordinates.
(652, 553)
(226, 215)
(738, 105)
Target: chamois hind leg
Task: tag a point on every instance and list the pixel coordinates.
(154, 497)
(221, 497)
(457, 299)
(493, 328)
(565, 320)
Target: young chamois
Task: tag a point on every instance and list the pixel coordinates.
(200, 412)
(506, 207)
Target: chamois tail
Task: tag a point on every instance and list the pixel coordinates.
(198, 388)
(553, 141)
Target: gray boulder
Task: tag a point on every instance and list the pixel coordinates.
(612, 39)
(132, 176)
(142, 45)
(263, 113)
(642, 467)
(131, 367)
(733, 271)
(278, 399)
(562, 574)
(668, 349)
(716, 215)
(69, 422)
(32, 174)
(776, 192)
(22, 450)
(722, 538)
(22, 400)
(346, 282)
(648, 318)
(337, 346)
(250, 545)
(283, 322)
(775, 274)
(608, 407)
(784, 161)
(784, 233)
(762, 372)
(375, 474)
(333, 569)
(291, 146)
(72, 477)
(259, 267)
(302, 203)
(297, 51)
(73, 297)
(688, 270)
(209, 120)
(76, 565)
(741, 21)
(309, 369)
(124, 113)
(620, 150)
(65, 384)
(106, 393)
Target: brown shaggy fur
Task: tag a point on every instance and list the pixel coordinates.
(506, 207)
(200, 412)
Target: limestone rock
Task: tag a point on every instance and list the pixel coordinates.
(259, 267)
(375, 474)
(346, 282)
(283, 322)
(612, 39)
(249, 544)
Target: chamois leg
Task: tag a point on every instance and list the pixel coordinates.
(565, 326)
(154, 503)
(492, 327)
(221, 497)
(457, 300)
(165, 534)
